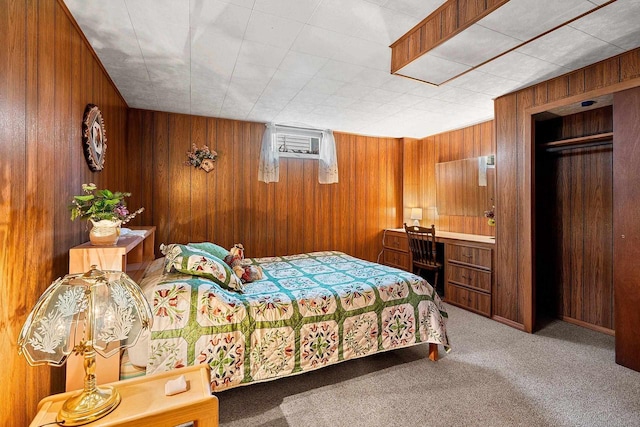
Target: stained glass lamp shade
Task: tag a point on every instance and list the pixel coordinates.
(95, 312)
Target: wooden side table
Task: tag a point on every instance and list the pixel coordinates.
(145, 404)
(132, 254)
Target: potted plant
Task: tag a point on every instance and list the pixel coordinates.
(105, 209)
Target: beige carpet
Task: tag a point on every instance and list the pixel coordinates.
(563, 375)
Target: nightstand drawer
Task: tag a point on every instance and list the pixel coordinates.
(396, 240)
(470, 255)
(396, 259)
(469, 277)
(468, 299)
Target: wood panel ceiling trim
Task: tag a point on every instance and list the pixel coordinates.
(445, 22)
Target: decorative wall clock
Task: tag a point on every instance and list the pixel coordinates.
(94, 137)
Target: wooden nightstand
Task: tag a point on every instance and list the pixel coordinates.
(145, 404)
(132, 254)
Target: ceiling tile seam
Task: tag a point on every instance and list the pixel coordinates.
(244, 33)
(282, 60)
(595, 37)
(155, 94)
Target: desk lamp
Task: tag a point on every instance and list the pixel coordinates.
(416, 216)
(100, 309)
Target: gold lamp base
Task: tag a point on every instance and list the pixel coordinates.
(88, 406)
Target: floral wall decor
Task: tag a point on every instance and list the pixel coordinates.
(202, 158)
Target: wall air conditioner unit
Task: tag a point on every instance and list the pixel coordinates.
(298, 142)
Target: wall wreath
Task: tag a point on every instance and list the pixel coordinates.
(94, 137)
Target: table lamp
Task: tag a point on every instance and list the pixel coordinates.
(89, 313)
(416, 216)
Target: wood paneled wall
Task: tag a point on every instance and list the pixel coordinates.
(514, 300)
(419, 178)
(229, 204)
(49, 74)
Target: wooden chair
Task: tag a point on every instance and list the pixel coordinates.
(422, 242)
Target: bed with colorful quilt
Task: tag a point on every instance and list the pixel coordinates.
(306, 312)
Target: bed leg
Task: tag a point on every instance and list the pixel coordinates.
(433, 351)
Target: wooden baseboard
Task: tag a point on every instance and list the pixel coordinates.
(508, 322)
(588, 325)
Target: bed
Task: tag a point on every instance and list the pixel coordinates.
(308, 311)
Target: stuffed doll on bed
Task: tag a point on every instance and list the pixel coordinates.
(246, 273)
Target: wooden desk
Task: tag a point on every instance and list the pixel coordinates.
(145, 404)
(468, 266)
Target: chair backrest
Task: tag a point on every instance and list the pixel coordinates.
(422, 242)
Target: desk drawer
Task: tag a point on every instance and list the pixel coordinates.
(471, 255)
(468, 299)
(469, 277)
(396, 259)
(396, 240)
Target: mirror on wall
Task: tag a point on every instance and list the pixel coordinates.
(465, 187)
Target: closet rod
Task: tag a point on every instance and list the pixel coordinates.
(580, 142)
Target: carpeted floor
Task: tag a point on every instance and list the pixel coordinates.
(563, 375)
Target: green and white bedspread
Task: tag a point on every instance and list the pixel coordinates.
(310, 310)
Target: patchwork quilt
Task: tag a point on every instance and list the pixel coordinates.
(309, 311)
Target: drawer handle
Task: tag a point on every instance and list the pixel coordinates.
(467, 256)
(466, 277)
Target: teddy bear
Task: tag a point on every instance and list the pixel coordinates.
(246, 272)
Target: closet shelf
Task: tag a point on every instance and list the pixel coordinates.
(582, 141)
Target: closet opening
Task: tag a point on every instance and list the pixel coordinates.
(574, 214)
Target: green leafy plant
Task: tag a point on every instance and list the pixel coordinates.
(103, 204)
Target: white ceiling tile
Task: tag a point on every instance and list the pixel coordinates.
(354, 90)
(616, 23)
(362, 52)
(302, 63)
(220, 17)
(525, 19)
(309, 96)
(383, 25)
(323, 85)
(247, 90)
(255, 73)
(583, 50)
(340, 71)
(366, 106)
(521, 67)
(214, 51)
(317, 41)
(298, 10)
(338, 15)
(474, 45)
(417, 8)
(373, 78)
(261, 54)
(381, 95)
(288, 79)
(403, 84)
(338, 101)
(406, 100)
(272, 30)
(423, 90)
(433, 69)
(488, 84)
(247, 4)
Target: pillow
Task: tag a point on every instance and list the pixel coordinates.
(211, 248)
(196, 262)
